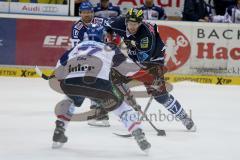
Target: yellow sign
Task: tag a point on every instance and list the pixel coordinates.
(172, 78)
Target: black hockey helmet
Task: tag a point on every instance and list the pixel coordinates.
(134, 15)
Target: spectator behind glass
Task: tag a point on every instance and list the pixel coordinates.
(222, 5)
(153, 12)
(210, 6)
(195, 10)
(40, 1)
(77, 5)
(105, 9)
(232, 14)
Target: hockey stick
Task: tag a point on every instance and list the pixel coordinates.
(160, 132)
(145, 110)
(41, 74)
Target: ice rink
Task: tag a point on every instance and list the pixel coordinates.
(27, 124)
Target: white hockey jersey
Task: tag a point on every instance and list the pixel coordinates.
(95, 59)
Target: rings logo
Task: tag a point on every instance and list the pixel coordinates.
(49, 9)
(178, 47)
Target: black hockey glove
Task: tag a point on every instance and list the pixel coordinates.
(156, 70)
(117, 78)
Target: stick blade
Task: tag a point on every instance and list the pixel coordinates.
(123, 135)
(161, 133)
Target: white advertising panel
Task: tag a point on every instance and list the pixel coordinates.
(201, 48)
(4, 7)
(36, 8)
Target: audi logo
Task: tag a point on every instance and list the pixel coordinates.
(49, 9)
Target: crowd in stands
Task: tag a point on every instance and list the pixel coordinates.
(222, 11)
(106, 9)
(38, 1)
(227, 11)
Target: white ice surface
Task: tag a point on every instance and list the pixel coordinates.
(27, 124)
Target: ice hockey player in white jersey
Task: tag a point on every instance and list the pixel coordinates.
(79, 34)
(85, 71)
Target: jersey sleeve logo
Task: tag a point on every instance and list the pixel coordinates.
(75, 33)
(78, 26)
(142, 56)
(144, 43)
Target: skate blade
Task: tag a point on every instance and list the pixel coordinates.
(146, 151)
(57, 145)
(103, 123)
(193, 129)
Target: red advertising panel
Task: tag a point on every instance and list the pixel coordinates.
(41, 42)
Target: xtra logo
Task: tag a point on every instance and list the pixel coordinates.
(222, 81)
(26, 73)
(178, 47)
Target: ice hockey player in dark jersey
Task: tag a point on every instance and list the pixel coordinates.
(146, 48)
(79, 29)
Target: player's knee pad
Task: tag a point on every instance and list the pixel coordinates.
(163, 98)
(64, 109)
(122, 109)
(171, 104)
(129, 117)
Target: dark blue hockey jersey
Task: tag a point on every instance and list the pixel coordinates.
(79, 30)
(144, 46)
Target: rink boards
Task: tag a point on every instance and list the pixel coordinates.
(199, 52)
(29, 72)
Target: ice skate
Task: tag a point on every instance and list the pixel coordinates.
(101, 120)
(141, 140)
(58, 137)
(189, 124)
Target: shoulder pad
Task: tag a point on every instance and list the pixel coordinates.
(78, 25)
